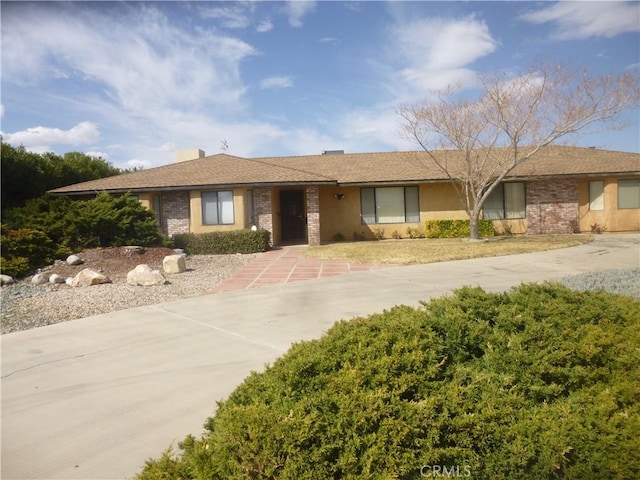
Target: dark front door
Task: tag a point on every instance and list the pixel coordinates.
(292, 216)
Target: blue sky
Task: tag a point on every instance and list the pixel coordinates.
(133, 82)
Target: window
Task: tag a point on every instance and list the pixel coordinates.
(157, 208)
(390, 205)
(217, 208)
(506, 201)
(251, 217)
(596, 195)
(629, 193)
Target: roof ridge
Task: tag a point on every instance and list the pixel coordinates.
(262, 162)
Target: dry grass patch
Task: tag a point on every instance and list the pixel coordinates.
(406, 252)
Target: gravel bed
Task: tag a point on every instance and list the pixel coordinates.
(26, 306)
(622, 282)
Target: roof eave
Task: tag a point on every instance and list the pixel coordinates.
(190, 187)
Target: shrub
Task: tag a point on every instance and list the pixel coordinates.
(16, 267)
(414, 232)
(456, 228)
(108, 221)
(218, 243)
(539, 382)
(378, 233)
(25, 249)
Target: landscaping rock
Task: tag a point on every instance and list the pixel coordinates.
(133, 249)
(179, 251)
(39, 279)
(56, 279)
(74, 260)
(88, 277)
(69, 281)
(145, 276)
(174, 264)
(6, 280)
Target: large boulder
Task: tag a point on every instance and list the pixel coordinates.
(40, 279)
(174, 264)
(74, 260)
(6, 280)
(88, 277)
(145, 276)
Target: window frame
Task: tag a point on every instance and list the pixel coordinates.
(503, 214)
(220, 214)
(629, 180)
(411, 213)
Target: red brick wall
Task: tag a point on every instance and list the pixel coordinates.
(175, 212)
(552, 206)
(313, 215)
(263, 208)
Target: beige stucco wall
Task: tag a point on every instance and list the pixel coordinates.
(146, 200)
(516, 226)
(239, 213)
(437, 201)
(613, 218)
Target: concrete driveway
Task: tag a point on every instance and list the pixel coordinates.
(94, 398)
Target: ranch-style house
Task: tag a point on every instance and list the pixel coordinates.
(317, 198)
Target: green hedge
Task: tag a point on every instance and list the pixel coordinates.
(218, 243)
(456, 228)
(536, 383)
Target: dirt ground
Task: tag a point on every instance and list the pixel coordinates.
(114, 262)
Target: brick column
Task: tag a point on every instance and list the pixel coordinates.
(552, 205)
(175, 212)
(313, 215)
(263, 208)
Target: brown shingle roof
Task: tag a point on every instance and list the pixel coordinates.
(354, 168)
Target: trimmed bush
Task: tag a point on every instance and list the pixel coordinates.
(536, 383)
(220, 243)
(456, 228)
(23, 250)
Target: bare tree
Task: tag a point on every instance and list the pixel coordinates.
(478, 142)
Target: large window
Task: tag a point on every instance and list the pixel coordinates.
(596, 195)
(217, 208)
(629, 193)
(506, 201)
(390, 205)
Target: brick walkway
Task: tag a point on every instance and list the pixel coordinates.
(287, 264)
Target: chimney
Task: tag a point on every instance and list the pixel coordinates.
(332, 152)
(188, 154)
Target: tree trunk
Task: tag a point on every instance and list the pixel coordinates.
(473, 224)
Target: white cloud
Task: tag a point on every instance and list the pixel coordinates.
(42, 138)
(137, 163)
(578, 20)
(144, 62)
(98, 154)
(231, 16)
(435, 53)
(265, 25)
(276, 82)
(297, 9)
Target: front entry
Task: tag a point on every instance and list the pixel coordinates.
(292, 216)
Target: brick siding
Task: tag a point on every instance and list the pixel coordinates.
(263, 208)
(552, 206)
(313, 215)
(175, 212)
